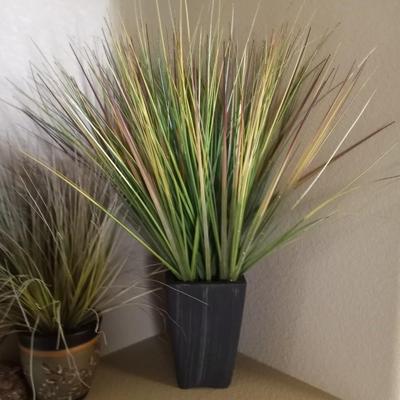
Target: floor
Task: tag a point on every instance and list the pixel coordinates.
(145, 371)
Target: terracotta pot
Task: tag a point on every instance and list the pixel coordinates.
(59, 373)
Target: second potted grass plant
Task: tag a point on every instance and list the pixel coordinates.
(210, 146)
(58, 273)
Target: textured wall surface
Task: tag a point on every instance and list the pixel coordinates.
(50, 25)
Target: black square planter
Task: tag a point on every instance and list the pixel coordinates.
(204, 325)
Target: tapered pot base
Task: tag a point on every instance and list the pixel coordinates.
(204, 327)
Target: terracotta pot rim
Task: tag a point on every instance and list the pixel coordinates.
(62, 353)
(49, 343)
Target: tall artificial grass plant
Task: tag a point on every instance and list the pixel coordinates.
(209, 142)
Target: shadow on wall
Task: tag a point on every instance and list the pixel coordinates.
(138, 320)
(326, 308)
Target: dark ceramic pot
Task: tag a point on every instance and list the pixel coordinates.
(204, 327)
(60, 372)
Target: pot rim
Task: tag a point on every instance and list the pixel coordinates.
(49, 342)
(171, 279)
